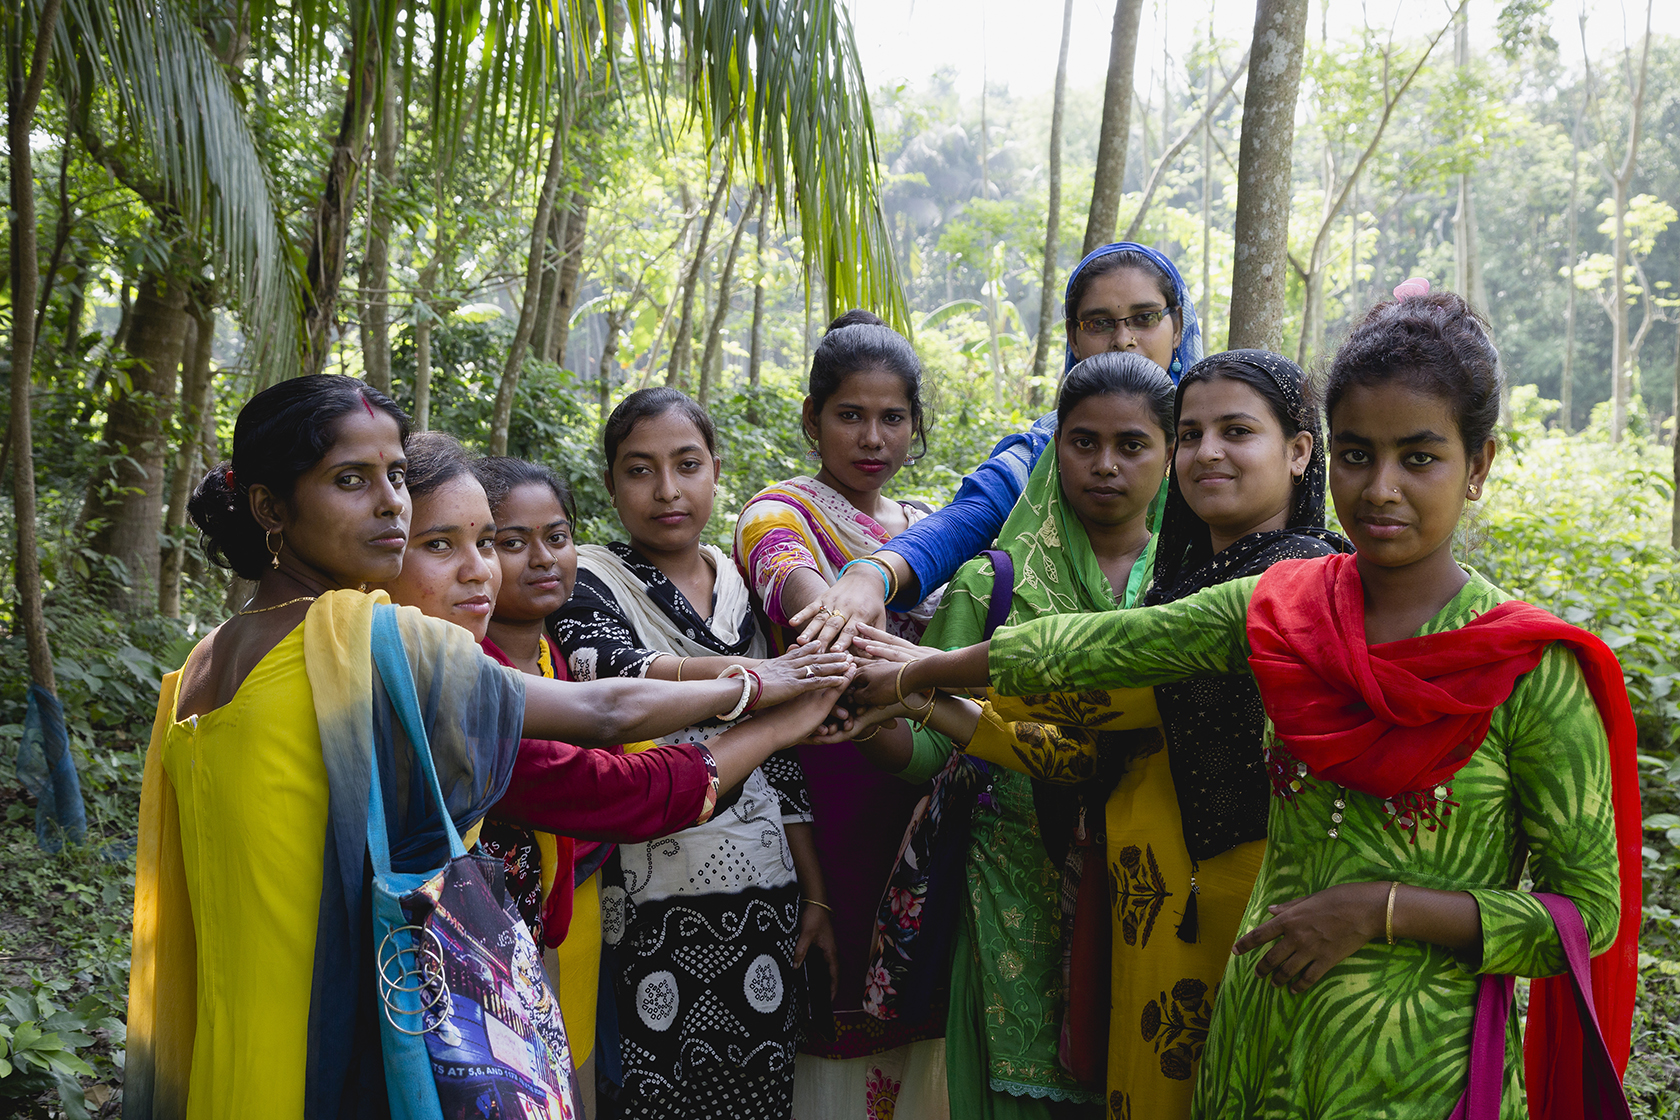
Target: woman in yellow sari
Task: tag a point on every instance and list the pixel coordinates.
(251, 992)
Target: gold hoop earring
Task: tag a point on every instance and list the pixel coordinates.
(273, 549)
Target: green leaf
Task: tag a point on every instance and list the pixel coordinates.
(1662, 821)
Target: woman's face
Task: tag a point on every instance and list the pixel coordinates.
(347, 519)
(663, 483)
(1399, 473)
(1236, 467)
(536, 554)
(450, 570)
(864, 430)
(1121, 294)
(1112, 454)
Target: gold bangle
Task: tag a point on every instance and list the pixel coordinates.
(814, 902)
(922, 720)
(898, 681)
(1392, 887)
(873, 731)
(681, 661)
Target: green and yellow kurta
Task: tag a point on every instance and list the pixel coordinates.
(1386, 1033)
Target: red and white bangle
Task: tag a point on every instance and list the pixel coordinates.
(714, 788)
(758, 690)
(740, 707)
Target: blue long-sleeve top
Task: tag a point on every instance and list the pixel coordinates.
(938, 545)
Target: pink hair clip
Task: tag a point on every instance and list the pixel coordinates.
(1416, 286)
(227, 477)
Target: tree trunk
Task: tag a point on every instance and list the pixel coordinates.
(755, 346)
(502, 417)
(1621, 180)
(676, 369)
(541, 333)
(195, 393)
(1567, 387)
(376, 328)
(422, 371)
(1204, 298)
(124, 506)
(566, 288)
(1467, 253)
(23, 95)
(1258, 281)
(1052, 223)
(330, 230)
(609, 358)
(1116, 127)
(714, 337)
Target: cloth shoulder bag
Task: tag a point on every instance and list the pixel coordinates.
(468, 1024)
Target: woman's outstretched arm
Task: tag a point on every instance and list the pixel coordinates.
(628, 710)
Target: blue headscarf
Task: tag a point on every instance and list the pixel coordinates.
(1189, 350)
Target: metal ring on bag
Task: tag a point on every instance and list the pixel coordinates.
(428, 973)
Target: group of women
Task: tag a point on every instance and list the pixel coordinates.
(1119, 786)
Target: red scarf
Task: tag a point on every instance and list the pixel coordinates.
(1406, 715)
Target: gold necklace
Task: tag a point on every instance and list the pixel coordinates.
(277, 606)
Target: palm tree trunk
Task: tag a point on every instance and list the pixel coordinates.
(550, 294)
(376, 328)
(1263, 174)
(502, 416)
(124, 506)
(23, 95)
(676, 370)
(331, 227)
(1116, 126)
(714, 336)
(195, 396)
(1052, 222)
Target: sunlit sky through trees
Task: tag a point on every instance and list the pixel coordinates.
(1015, 41)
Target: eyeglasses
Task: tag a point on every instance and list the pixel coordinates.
(1105, 328)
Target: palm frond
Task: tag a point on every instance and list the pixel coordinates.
(174, 95)
(785, 76)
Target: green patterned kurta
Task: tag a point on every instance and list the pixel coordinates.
(1386, 1033)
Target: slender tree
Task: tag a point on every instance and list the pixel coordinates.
(23, 96)
(676, 371)
(1263, 174)
(1052, 222)
(714, 336)
(1570, 294)
(376, 280)
(1203, 123)
(502, 415)
(1620, 176)
(1116, 128)
(196, 385)
(755, 347)
(1336, 196)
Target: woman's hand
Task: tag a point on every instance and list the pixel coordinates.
(1316, 933)
(832, 619)
(817, 929)
(798, 719)
(882, 646)
(798, 671)
(877, 683)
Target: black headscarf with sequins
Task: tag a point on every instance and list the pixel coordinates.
(1215, 726)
